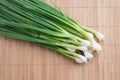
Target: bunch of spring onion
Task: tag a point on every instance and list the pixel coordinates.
(38, 22)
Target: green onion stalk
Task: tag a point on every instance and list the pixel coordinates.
(38, 22)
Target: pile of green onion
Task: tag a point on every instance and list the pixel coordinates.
(38, 22)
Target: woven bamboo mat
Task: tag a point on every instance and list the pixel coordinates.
(21, 60)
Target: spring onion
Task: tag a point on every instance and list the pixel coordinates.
(40, 23)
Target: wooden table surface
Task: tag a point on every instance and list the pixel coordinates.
(21, 60)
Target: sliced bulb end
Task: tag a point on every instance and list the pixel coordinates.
(96, 46)
(100, 36)
(88, 55)
(82, 58)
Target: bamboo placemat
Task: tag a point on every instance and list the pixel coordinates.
(21, 60)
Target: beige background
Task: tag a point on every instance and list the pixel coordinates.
(20, 60)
